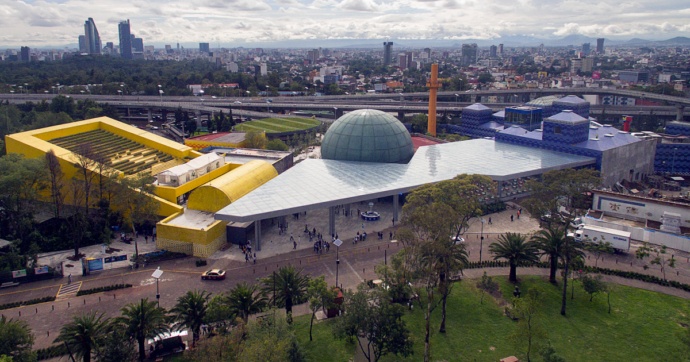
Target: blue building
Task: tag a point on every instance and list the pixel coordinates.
(672, 153)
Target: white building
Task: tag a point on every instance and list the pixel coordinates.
(178, 175)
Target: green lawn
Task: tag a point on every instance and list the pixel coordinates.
(643, 326)
(277, 125)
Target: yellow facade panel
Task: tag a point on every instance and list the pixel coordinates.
(226, 189)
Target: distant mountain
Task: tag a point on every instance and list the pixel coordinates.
(638, 41)
(680, 40)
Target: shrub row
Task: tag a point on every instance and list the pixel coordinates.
(639, 276)
(103, 289)
(51, 352)
(590, 269)
(26, 302)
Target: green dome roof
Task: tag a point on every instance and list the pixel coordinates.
(367, 135)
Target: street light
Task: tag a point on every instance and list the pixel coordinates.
(157, 275)
(456, 97)
(481, 240)
(160, 92)
(337, 244)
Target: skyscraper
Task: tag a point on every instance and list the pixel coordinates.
(387, 52)
(82, 44)
(500, 49)
(25, 54)
(469, 54)
(91, 38)
(493, 50)
(600, 45)
(586, 48)
(125, 40)
(204, 48)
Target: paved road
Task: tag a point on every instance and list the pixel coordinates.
(357, 265)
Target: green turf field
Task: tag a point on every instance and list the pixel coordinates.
(643, 326)
(277, 125)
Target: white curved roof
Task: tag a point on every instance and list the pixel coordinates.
(317, 183)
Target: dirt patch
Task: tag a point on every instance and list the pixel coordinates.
(112, 250)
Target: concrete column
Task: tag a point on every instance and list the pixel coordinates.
(401, 116)
(150, 116)
(198, 118)
(396, 202)
(331, 220)
(164, 114)
(257, 235)
(679, 115)
(209, 116)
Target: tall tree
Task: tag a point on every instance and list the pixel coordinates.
(190, 312)
(132, 197)
(529, 329)
(16, 340)
(56, 182)
(426, 228)
(143, 320)
(245, 299)
(116, 346)
(375, 323)
(255, 139)
(561, 188)
(572, 254)
(320, 297)
(84, 334)
(514, 248)
(290, 287)
(550, 242)
(21, 182)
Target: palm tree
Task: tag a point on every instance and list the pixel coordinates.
(450, 257)
(190, 311)
(512, 246)
(143, 320)
(16, 339)
(83, 334)
(550, 242)
(289, 287)
(245, 299)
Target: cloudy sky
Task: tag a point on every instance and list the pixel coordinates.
(41, 23)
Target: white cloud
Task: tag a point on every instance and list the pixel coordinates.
(44, 22)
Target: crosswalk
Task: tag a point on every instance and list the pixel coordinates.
(68, 290)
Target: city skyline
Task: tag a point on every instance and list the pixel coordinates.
(45, 23)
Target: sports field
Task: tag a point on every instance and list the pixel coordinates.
(278, 125)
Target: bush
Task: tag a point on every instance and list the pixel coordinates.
(51, 352)
(26, 302)
(103, 289)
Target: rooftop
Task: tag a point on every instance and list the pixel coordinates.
(318, 183)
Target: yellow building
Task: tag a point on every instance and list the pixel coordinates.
(127, 151)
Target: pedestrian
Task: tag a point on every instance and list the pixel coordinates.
(254, 258)
(511, 217)
(393, 221)
(390, 236)
(294, 244)
(518, 215)
(489, 220)
(69, 279)
(246, 257)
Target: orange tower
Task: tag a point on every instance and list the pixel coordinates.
(433, 88)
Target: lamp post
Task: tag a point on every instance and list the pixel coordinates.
(481, 240)
(157, 275)
(456, 97)
(160, 92)
(337, 244)
(335, 113)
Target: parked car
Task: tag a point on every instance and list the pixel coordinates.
(457, 239)
(213, 274)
